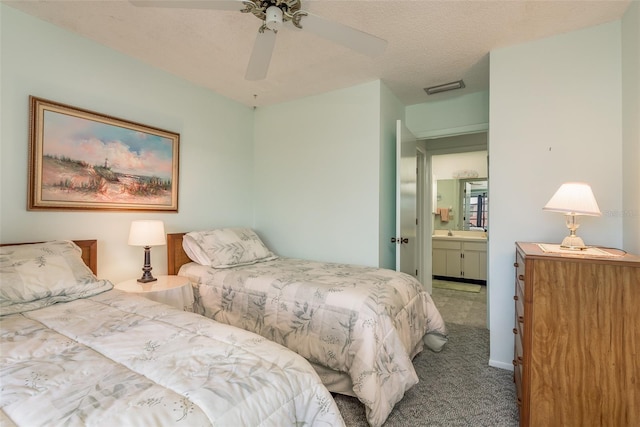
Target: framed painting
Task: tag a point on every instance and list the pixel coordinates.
(82, 160)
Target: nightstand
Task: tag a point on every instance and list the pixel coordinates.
(175, 291)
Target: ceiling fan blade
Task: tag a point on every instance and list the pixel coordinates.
(236, 5)
(342, 34)
(261, 55)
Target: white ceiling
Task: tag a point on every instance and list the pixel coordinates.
(430, 42)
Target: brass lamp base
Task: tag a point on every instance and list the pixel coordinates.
(573, 243)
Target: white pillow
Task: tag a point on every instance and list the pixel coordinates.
(37, 275)
(226, 247)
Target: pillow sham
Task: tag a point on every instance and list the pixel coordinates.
(226, 247)
(36, 275)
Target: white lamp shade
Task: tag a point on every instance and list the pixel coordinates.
(147, 233)
(574, 198)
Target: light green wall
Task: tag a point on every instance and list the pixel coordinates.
(216, 151)
(325, 180)
(631, 128)
(317, 174)
(461, 114)
(555, 117)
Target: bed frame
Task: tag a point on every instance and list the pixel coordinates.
(89, 252)
(176, 256)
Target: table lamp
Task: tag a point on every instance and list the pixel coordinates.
(147, 233)
(574, 199)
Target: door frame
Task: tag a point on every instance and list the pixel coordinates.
(423, 207)
(427, 147)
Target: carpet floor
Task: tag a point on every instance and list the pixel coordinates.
(456, 286)
(457, 388)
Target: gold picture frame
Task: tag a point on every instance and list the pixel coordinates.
(83, 160)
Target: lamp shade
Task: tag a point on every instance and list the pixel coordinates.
(147, 233)
(574, 198)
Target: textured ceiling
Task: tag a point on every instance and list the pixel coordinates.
(430, 42)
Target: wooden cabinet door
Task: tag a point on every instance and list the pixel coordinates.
(474, 260)
(471, 265)
(439, 262)
(454, 263)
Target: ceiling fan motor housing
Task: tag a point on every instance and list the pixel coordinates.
(273, 18)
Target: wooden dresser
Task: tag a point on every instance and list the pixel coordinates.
(577, 338)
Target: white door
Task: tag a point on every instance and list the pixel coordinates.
(406, 180)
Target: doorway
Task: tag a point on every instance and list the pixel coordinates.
(473, 158)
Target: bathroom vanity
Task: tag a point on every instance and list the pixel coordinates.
(460, 256)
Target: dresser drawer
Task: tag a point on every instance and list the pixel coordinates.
(518, 356)
(519, 265)
(519, 304)
(517, 378)
(518, 360)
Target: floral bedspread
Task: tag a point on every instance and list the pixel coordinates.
(366, 322)
(121, 360)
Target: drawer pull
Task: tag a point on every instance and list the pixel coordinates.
(515, 297)
(521, 319)
(519, 402)
(515, 331)
(520, 360)
(516, 265)
(521, 277)
(515, 362)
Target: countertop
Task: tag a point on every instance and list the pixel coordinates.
(476, 236)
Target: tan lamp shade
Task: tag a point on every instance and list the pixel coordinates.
(147, 233)
(574, 198)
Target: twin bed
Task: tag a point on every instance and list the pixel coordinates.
(76, 352)
(359, 327)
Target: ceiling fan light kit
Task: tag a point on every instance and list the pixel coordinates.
(274, 14)
(273, 18)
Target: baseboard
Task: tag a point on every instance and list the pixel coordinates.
(501, 365)
(461, 280)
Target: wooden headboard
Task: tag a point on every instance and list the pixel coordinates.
(176, 256)
(89, 252)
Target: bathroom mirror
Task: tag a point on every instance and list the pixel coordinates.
(461, 204)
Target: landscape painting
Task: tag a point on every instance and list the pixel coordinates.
(82, 160)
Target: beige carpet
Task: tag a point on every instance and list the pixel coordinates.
(456, 286)
(457, 388)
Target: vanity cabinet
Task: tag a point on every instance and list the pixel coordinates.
(474, 260)
(446, 258)
(460, 258)
(576, 338)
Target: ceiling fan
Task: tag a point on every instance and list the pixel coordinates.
(274, 14)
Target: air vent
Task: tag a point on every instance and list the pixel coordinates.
(444, 87)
